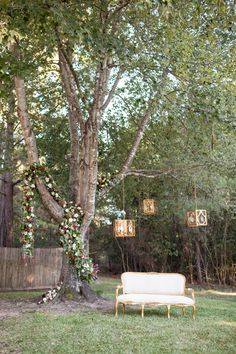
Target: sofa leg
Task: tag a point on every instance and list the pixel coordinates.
(168, 311)
(116, 309)
(194, 312)
(123, 309)
(142, 311)
(183, 310)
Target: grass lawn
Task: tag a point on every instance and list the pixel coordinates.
(213, 331)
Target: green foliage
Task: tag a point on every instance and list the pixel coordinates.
(191, 138)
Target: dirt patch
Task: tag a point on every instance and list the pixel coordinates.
(13, 308)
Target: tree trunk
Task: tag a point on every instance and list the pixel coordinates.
(198, 261)
(2, 212)
(6, 210)
(73, 288)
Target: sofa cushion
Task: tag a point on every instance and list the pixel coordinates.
(151, 298)
(153, 283)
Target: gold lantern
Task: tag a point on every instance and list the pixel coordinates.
(149, 207)
(124, 228)
(196, 218)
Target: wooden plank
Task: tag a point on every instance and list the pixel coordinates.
(39, 273)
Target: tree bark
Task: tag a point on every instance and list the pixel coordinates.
(6, 210)
(75, 122)
(198, 261)
(49, 203)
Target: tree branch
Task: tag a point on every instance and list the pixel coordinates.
(75, 118)
(49, 203)
(151, 106)
(69, 89)
(120, 7)
(102, 77)
(71, 69)
(113, 89)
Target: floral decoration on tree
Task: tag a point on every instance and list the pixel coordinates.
(73, 244)
(69, 228)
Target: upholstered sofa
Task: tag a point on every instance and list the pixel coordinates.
(159, 289)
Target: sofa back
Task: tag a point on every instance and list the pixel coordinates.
(153, 283)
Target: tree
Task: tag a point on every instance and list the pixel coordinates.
(100, 47)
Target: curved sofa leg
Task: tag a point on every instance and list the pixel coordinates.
(123, 309)
(142, 311)
(194, 312)
(116, 309)
(168, 311)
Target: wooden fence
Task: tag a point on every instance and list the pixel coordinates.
(40, 273)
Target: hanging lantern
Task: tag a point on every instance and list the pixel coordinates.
(124, 228)
(196, 218)
(149, 207)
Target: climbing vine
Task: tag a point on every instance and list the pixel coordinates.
(69, 228)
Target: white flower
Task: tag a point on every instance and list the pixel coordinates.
(49, 185)
(47, 179)
(76, 215)
(30, 225)
(70, 220)
(42, 160)
(32, 185)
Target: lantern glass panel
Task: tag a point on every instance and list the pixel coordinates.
(201, 217)
(191, 218)
(120, 228)
(130, 228)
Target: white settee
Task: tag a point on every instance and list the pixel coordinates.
(160, 289)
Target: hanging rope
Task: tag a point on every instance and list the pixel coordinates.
(195, 193)
(123, 195)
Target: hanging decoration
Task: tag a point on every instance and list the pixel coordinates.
(197, 217)
(124, 227)
(149, 207)
(69, 227)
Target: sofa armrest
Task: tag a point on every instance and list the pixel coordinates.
(191, 292)
(117, 290)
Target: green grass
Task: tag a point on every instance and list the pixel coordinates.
(20, 295)
(213, 331)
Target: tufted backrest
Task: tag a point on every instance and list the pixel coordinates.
(153, 283)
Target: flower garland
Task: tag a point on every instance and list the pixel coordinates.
(51, 294)
(69, 228)
(73, 245)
